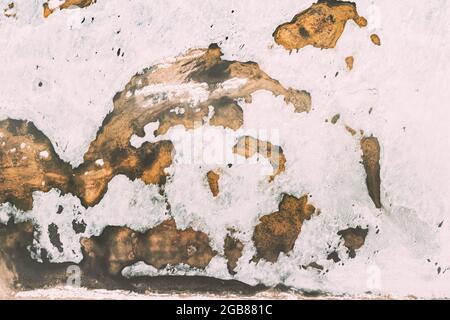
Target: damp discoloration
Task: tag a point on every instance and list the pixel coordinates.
(18, 271)
(278, 231)
(67, 4)
(349, 61)
(233, 251)
(335, 118)
(227, 113)
(192, 82)
(354, 239)
(248, 146)
(28, 163)
(350, 130)
(213, 182)
(118, 247)
(375, 39)
(371, 160)
(321, 25)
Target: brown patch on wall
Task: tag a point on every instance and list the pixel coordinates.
(233, 251)
(213, 181)
(10, 11)
(137, 105)
(248, 146)
(375, 39)
(313, 265)
(349, 62)
(20, 272)
(335, 118)
(350, 130)
(278, 231)
(67, 4)
(321, 25)
(371, 160)
(28, 163)
(354, 239)
(118, 247)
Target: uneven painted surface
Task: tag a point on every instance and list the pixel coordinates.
(110, 171)
(321, 25)
(194, 82)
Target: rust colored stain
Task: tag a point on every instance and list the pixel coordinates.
(130, 114)
(349, 61)
(371, 160)
(213, 181)
(67, 4)
(321, 25)
(118, 247)
(278, 231)
(375, 39)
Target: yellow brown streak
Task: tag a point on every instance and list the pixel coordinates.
(321, 25)
(349, 61)
(213, 181)
(375, 39)
(67, 4)
(371, 160)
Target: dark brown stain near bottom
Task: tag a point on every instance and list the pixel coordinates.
(118, 247)
(24, 273)
(233, 251)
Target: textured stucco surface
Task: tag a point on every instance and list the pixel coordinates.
(62, 72)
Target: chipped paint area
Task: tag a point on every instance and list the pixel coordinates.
(121, 154)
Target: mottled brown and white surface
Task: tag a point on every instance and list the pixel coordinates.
(322, 166)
